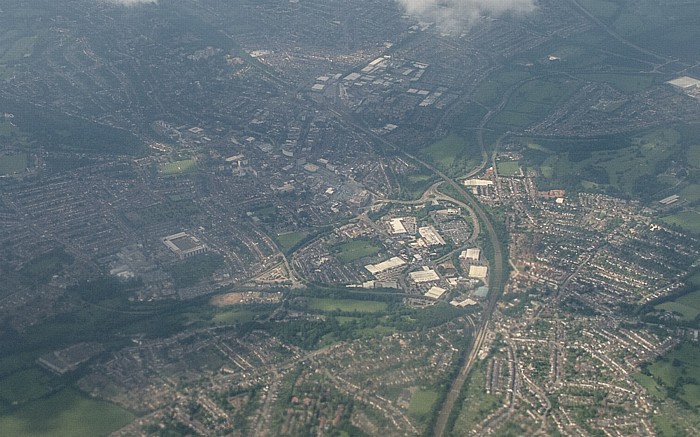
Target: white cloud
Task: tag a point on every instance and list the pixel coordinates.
(451, 14)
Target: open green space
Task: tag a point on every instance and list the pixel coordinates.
(631, 165)
(476, 403)
(453, 154)
(64, 414)
(693, 155)
(686, 220)
(233, 316)
(16, 163)
(686, 312)
(43, 267)
(422, 403)
(57, 131)
(290, 239)
(649, 384)
(489, 92)
(23, 386)
(190, 271)
(343, 320)
(665, 27)
(414, 184)
(691, 193)
(346, 305)
(357, 249)
(688, 305)
(532, 101)
(678, 372)
(178, 167)
(16, 50)
(694, 279)
(508, 168)
(626, 83)
(601, 8)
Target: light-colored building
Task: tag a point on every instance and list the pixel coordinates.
(425, 275)
(397, 226)
(477, 182)
(684, 82)
(431, 236)
(435, 292)
(478, 272)
(472, 254)
(383, 266)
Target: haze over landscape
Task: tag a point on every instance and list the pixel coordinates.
(349, 218)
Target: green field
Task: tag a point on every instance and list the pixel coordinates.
(234, 316)
(687, 312)
(624, 82)
(678, 373)
(532, 101)
(346, 305)
(43, 267)
(190, 271)
(453, 154)
(687, 220)
(508, 168)
(64, 414)
(691, 193)
(601, 8)
(422, 403)
(10, 164)
(178, 167)
(477, 403)
(290, 239)
(693, 155)
(356, 249)
(18, 49)
(688, 305)
(695, 279)
(629, 165)
(24, 386)
(490, 91)
(54, 130)
(413, 185)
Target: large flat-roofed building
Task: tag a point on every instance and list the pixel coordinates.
(184, 245)
(472, 254)
(435, 292)
(431, 236)
(425, 275)
(684, 82)
(383, 266)
(478, 272)
(396, 226)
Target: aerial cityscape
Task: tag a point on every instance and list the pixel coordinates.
(349, 218)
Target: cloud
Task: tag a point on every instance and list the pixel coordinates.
(131, 2)
(452, 14)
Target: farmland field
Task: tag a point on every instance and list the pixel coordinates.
(687, 220)
(64, 414)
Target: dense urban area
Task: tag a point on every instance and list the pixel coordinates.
(349, 218)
